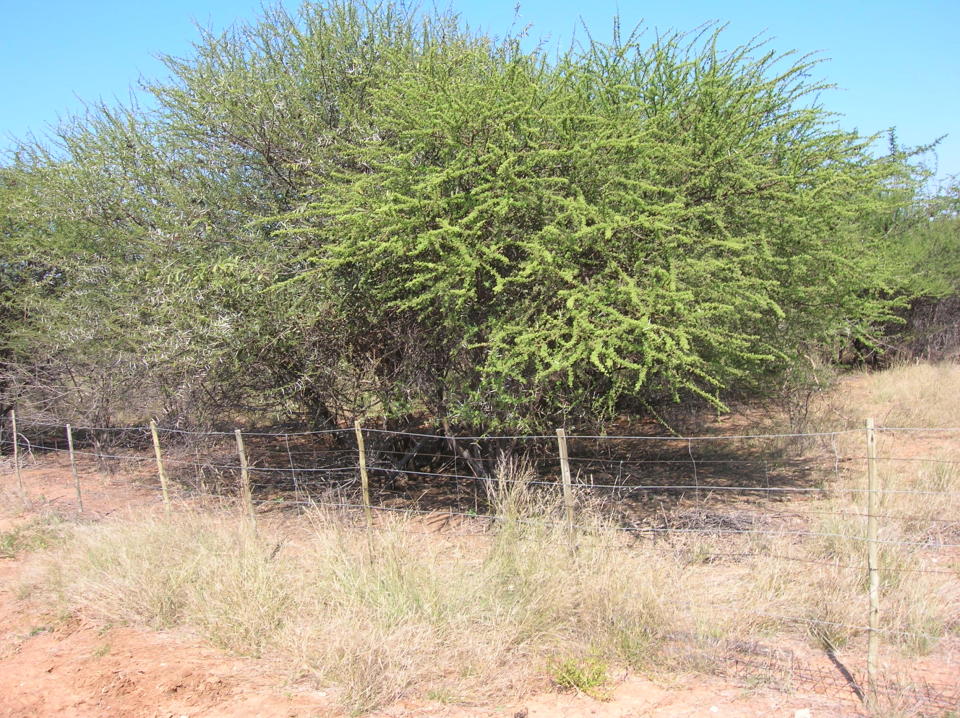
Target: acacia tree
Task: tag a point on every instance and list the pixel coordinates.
(625, 225)
(151, 216)
(371, 210)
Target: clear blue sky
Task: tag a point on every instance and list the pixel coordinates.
(898, 63)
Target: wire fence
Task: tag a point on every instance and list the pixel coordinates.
(879, 502)
(611, 470)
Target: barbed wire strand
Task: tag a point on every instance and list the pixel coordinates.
(581, 485)
(29, 421)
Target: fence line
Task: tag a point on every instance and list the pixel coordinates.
(635, 529)
(487, 437)
(390, 461)
(821, 622)
(492, 519)
(578, 483)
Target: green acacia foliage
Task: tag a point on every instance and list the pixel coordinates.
(375, 210)
(161, 304)
(924, 256)
(623, 225)
(927, 251)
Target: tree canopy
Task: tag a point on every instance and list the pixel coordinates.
(376, 211)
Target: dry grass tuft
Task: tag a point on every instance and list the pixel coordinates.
(918, 395)
(14, 502)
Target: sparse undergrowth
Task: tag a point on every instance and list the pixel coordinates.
(396, 615)
(381, 616)
(457, 618)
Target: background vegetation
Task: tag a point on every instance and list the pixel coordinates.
(376, 212)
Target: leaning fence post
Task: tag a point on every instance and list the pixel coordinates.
(73, 468)
(567, 483)
(160, 470)
(364, 479)
(873, 554)
(16, 449)
(246, 494)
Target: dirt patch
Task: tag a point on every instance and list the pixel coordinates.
(85, 671)
(54, 666)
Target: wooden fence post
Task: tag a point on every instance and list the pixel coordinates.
(873, 555)
(567, 482)
(364, 479)
(16, 449)
(160, 470)
(246, 495)
(73, 467)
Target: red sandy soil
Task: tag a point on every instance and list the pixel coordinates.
(57, 666)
